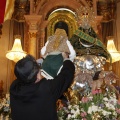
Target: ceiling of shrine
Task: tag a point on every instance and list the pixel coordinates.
(106, 8)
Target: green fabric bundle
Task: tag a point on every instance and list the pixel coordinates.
(51, 66)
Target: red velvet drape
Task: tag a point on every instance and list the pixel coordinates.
(2, 10)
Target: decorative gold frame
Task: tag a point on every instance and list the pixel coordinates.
(65, 16)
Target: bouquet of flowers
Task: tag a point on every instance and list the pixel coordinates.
(94, 106)
(5, 107)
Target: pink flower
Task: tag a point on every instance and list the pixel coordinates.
(85, 99)
(118, 110)
(94, 92)
(99, 90)
(84, 119)
(83, 114)
(118, 102)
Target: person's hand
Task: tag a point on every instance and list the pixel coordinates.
(65, 55)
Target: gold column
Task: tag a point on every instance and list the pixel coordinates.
(33, 22)
(42, 33)
(41, 37)
(32, 43)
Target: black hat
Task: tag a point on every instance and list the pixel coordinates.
(26, 69)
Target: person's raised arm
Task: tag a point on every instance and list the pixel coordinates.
(64, 79)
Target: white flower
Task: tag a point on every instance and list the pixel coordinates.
(73, 116)
(106, 113)
(93, 109)
(113, 100)
(70, 106)
(105, 99)
(60, 118)
(114, 113)
(77, 111)
(69, 116)
(105, 109)
(73, 111)
(90, 98)
(110, 106)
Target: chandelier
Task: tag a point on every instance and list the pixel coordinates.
(85, 17)
(16, 53)
(112, 49)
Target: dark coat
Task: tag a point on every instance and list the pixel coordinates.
(37, 101)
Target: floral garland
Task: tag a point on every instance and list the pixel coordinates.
(94, 106)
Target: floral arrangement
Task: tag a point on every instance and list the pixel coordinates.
(5, 107)
(94, 106)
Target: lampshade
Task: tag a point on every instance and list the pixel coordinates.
(112, 50)
(16, 53)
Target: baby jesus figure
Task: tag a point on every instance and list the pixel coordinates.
(52, 53)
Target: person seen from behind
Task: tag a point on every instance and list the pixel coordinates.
(33, 97)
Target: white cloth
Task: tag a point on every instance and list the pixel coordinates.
(72, 51)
